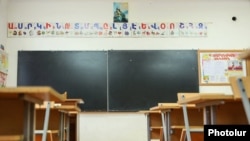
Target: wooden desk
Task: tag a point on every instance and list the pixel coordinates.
(165, 117)
(165, 121)
(205, 100)
(17, 109)
(165, 109)
(71, 116)
(173, 111)
(61, 113)
(154, 126)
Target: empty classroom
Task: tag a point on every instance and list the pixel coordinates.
(127, 70)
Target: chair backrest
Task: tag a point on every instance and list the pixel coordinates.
(236, 89)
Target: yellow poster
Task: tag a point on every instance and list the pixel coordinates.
(217, 66)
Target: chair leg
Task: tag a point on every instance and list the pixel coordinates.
(183, 135)
(50, 137)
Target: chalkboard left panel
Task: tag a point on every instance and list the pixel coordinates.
(83, 74)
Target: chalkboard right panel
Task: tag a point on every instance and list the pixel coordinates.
(140, 79)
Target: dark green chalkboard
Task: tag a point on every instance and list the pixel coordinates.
(83, 74)
(114, 80)
(140, 79)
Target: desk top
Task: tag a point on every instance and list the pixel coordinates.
(72, 102)
(170, 106)
(68, 105)
(166, 106)
(150, 111)
(37, 94)
(77, 100)
(62, 108)
(197, 98)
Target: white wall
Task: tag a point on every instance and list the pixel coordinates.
(113, 126)
(223, 33)
(3, 21)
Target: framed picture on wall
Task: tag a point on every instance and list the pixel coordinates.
(216, 66)
(120, 10)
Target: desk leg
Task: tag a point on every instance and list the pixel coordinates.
(165, 116)
(212, 115)
(68, 127)
(209, 115)
(164, 125)
(148, 127)
(46, 122)
(206, 115)
(184, 107)
(168, 126)
(62, 125)
(244, 98)
(29, 120)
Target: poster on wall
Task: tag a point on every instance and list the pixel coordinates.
(216, 66)
(3, 77)
(3, 68)
(120, 10)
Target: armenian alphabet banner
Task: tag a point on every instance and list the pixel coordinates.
(59, 29)
(217, 66)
